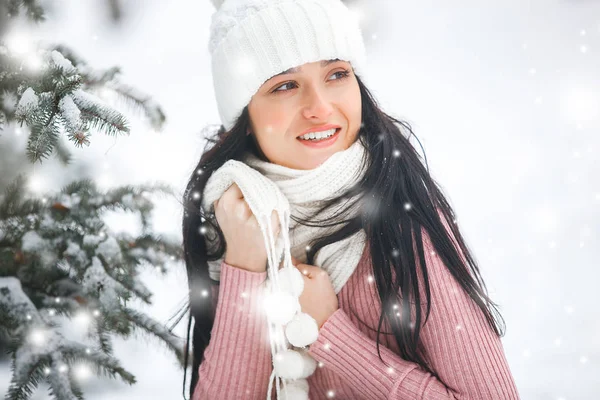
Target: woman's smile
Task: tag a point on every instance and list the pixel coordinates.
(319, 143)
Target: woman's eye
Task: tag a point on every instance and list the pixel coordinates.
(284, 85)
(342, 74)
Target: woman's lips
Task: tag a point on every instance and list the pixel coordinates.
(321, 143)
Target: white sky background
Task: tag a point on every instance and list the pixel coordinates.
(504, 96)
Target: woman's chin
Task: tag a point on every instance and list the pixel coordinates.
(315, 160)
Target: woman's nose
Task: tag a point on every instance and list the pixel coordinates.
(317, 104)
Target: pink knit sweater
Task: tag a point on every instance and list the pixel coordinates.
(457, 341)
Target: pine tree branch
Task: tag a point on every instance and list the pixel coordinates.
(17, 309)
(12, 196)
(103, 337)
(42, 140)
(63, 154)
(58, 379)
(130, 286)
(105, 365)
(45, 360)
(24, 382)
(98, 115)
(2, 119)
(149, 325)
(56, 98)
(33, 10)
(135, 98)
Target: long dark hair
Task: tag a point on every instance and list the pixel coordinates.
(395, 176)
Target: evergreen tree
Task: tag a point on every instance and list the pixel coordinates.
(59, 262)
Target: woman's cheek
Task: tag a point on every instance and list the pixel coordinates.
(277, 122)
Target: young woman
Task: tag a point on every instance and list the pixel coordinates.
(282, 68)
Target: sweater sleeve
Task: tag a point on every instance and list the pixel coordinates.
(462, 348)
(237, 361)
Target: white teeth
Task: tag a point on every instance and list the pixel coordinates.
(318, 135)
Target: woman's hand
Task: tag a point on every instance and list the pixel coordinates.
(245, 246)
(318, 299)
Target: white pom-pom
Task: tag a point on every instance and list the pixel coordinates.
(296, 389)
(302, 330)
(288, 364)
(310, 364)
(217, 3)
(292, 364)
(281, 307)
(291, 280)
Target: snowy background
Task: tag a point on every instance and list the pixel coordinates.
(504, 96)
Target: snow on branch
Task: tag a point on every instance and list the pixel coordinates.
(62, 265)
(59, 98)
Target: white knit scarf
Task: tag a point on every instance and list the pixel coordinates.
(267, 187)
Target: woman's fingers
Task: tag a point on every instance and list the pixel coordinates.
(230, 197)
(304, 271)
(309, 271)
(233, 201)
(235, 191)
(301, 267)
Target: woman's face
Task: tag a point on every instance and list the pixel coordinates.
(313, 95)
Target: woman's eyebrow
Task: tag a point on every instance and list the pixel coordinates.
(293, 70)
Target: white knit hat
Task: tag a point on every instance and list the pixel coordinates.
(253, 40)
